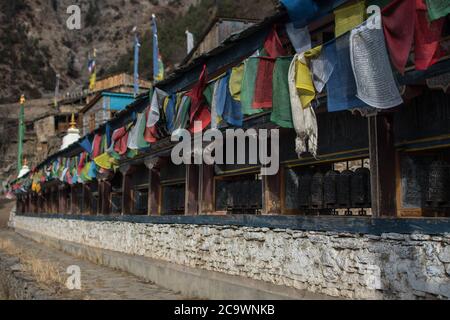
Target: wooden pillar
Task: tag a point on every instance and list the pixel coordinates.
(382, 165)
(73, 200)
(32, 206)
(206, 195)
(105, 195)
(19, 204)
(154, 187)
(87, 202)
(127, 204)
(191, 189)
(55, 200)
(272, 193)
(62, 199)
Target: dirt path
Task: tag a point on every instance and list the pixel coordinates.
(5, 209)
(97, 282)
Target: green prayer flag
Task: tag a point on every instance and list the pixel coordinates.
(438, 8)
(281, 101)
(248, 86)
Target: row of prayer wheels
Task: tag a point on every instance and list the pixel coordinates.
(346, 189)
(438, 188)
(239, 196)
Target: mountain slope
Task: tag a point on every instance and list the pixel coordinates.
(35, 43)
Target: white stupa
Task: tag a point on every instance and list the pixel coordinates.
(72, 136)
(25, 169)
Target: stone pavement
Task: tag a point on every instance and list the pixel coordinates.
(98, 282)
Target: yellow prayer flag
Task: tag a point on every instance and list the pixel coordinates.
(349, 16)
(303, 78)
(237, 74)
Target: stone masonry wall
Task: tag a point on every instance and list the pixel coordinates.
(390, 266)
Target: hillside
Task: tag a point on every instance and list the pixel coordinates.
(35, 43)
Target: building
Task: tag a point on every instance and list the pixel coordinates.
(368, 218)
(102, 108)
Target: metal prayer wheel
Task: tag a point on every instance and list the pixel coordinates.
(304, 190)
(246, 192)
(343, 189)
(438, 182)
(360, 188)
(330, 188)
(317, 190)
(239, 193)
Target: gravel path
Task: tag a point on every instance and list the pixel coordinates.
(97, 282)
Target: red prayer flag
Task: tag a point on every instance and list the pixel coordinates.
(398, 26)
(96, 145)
(263, 86)
(427, 49)
(120, 139)
(405, 22)
(199, 109)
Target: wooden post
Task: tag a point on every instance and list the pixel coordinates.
(73, 200)
(272, 193)
(105, 195)
(191, 190)
(126, 189)
(55, 204)
(382, 165)
(206, 195)
(62, 198)
(87, 200)
(154, 185)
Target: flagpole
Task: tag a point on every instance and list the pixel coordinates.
(56, 90)
(21, 133)
(136, 62)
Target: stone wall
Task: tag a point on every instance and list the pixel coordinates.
(390, 266)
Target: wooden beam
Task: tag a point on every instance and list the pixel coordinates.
(382, 165)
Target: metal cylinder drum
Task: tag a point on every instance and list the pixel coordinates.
(304, 190)
(438, 183)
(343, 189)
(360, 188)
(317, 190)
(329, 188)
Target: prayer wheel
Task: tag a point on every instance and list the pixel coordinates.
(360, 188)
(317, 190)
(343, 189)
(438, 182)
(256, 194)
(304, 190)
(330, 188)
